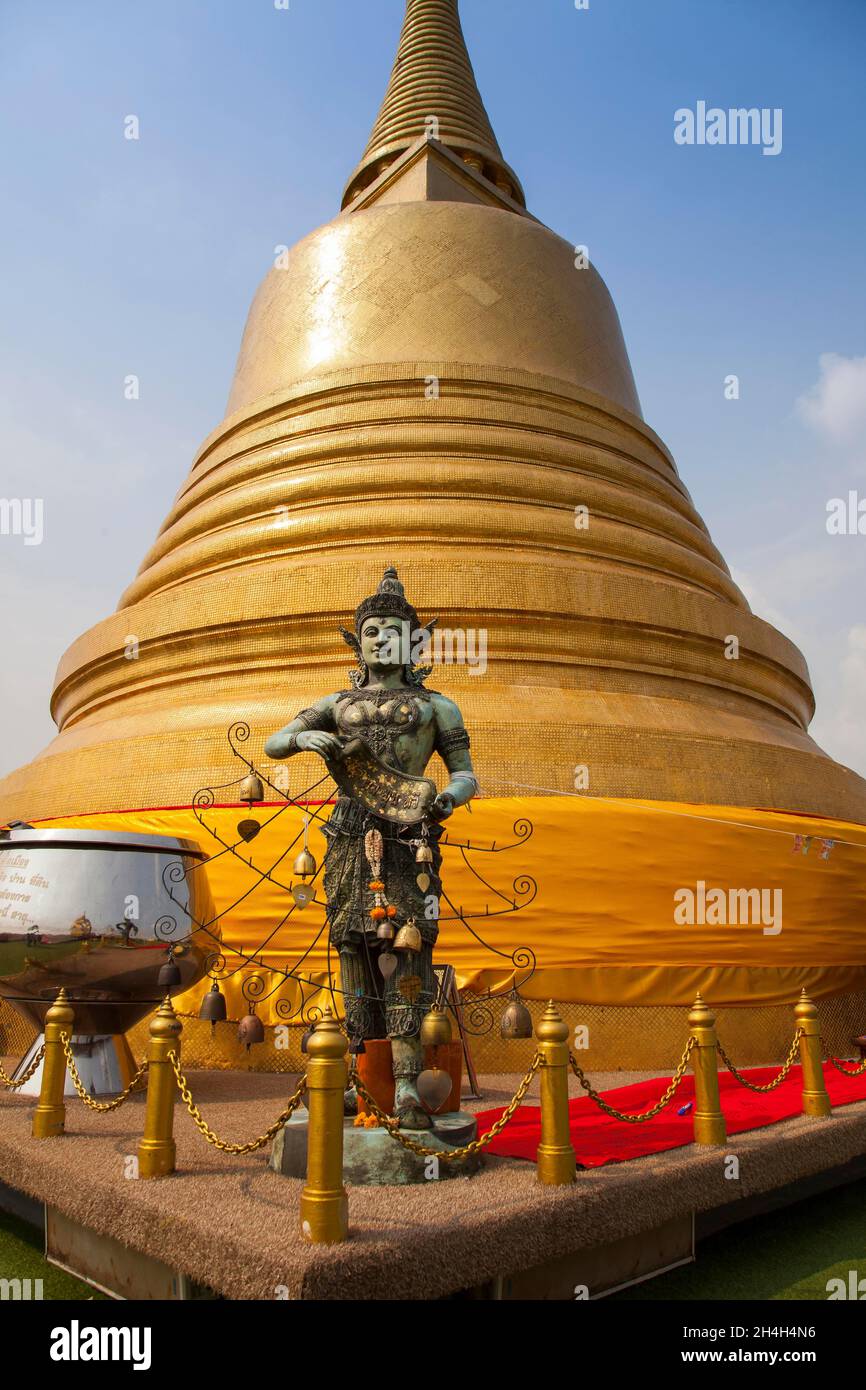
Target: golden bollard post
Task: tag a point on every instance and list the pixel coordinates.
(50, 1114)
(709, 1120)
(556, 1159)
(156, 1152)
(815, 1098)
(324, 1203)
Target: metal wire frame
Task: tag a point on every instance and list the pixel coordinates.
(253, 987)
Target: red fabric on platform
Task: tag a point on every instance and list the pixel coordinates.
(598, 1139)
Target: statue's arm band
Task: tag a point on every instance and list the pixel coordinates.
(312, 719)
(451, 741)
(306, 720)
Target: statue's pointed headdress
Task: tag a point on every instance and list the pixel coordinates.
(389, 601)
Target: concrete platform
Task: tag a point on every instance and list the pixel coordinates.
(231, 1224)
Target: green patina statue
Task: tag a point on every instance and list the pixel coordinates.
(383, 860)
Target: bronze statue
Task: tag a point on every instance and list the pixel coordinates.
(383, 859)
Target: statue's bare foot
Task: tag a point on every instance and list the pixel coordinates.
(408, 1108)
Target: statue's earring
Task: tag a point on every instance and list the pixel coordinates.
(358, 677)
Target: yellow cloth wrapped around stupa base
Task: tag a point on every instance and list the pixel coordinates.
(623, 904)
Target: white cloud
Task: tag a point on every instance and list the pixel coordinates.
(836, 405)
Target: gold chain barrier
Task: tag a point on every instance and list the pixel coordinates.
(392, 1124)
(222, 1144)
(324, 1207)
(556, 1162)
(701, 1052)
(806, 1042)
(856, 1069)
(156, 1150)
(770, 1085)
(324, 1201)
(816, 1101)
(22, 1080)
(665, 1100)
(49, 1117)
(102, 1106)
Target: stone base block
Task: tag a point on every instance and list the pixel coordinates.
(372, 1158)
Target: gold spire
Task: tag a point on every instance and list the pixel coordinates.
(433, 78)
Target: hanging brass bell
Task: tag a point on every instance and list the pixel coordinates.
(385, 931)
(423, 855)
(251, 789)
(305, 865)
(306, 1035)
(435, 1028)
(250, 1030)
(408, 938)
(169, 974)
(517, 1020)
(213, 1005)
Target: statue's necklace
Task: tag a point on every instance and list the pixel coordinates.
(381, 716)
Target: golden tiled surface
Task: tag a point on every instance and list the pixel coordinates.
(434, 384)
(605, 647)
(427, 284)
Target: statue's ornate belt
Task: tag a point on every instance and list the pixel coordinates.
(395, 796)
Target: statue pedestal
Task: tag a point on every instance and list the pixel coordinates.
(372, 1158)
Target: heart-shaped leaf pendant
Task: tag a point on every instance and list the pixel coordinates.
(303, 894)
(434, 1088)
(248, 829)
(388, 963)
(423, 882)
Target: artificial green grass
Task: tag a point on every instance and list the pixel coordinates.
(788, 1254)
(21, 1257)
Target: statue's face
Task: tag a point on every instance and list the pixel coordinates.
(382, 643)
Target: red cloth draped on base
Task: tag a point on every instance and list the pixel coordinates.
(598, 1139)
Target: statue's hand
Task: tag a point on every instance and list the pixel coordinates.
(443, 806)
(317, 741)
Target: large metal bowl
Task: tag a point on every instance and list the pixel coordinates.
(96, 911)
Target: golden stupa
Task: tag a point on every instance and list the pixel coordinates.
(431, 381)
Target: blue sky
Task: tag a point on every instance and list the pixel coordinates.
(141, 257)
